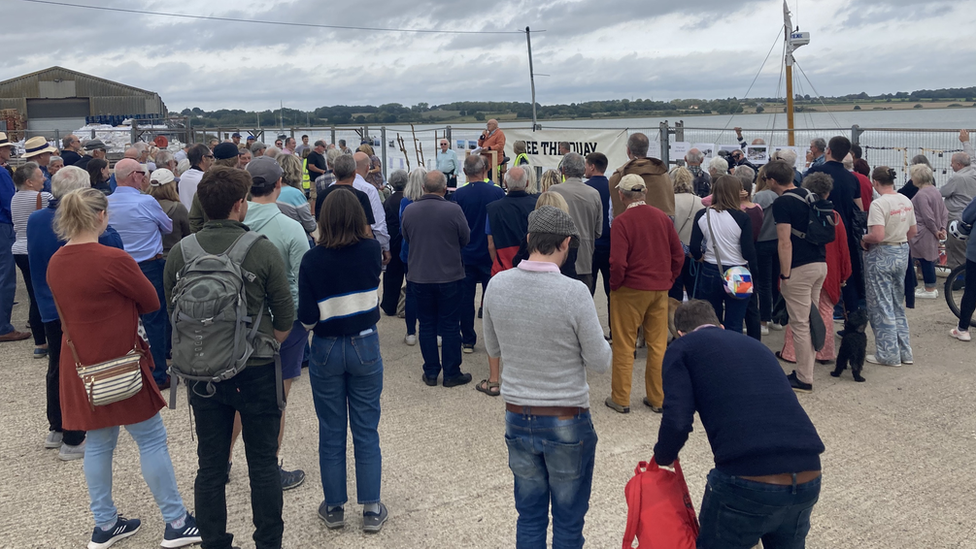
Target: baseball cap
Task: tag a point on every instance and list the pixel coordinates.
(258, 146)
(235, 134)
(161, 177)
(93, 144)
(265, 171)
(251, 138)
(552, 220)
(225, 151)
(632, 182)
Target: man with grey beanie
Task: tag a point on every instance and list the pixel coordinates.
(548, 428)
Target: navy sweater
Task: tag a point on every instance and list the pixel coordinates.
(337, 289)
(602, 186)
(754, 423)
(474, 199)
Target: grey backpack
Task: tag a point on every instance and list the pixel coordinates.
(213, 336)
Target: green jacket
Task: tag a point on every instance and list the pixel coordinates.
(268, 290)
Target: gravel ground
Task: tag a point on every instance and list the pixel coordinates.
(891, 442)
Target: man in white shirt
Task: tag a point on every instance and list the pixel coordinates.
(201, 158)
(379, 214)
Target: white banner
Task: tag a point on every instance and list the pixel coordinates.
(542, 146)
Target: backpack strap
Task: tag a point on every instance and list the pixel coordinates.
(799, 234)
(191, 249)
(238, 251)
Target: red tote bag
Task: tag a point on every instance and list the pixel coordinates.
(659, 510)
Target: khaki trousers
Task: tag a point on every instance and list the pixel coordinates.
(800, 292)
(629, 310)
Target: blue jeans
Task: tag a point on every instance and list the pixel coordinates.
(346, 374)
(410, 308)
(438, 306)
(731, 311)
(473, 274)
(737, 513)
(552, 460)
(156, 321)
(8, 277)
(157, 470)
(928, 272)
(292, 351)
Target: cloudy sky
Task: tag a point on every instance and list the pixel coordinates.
(591, 50)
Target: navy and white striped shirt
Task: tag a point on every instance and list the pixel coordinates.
(337, 288)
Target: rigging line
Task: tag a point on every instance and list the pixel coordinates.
(754, 79)
(836, 122)
(253, 21)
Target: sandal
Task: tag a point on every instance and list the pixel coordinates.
(490, 388)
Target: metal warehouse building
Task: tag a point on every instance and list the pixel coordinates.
(65, 100)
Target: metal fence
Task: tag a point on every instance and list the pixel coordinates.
(404, 146)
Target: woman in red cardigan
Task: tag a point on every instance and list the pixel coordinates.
(101, 315)
(838, 271)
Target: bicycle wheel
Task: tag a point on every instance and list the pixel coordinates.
(953, 289)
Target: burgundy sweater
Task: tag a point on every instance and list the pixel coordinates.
(642, 241)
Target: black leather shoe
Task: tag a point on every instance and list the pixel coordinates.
(457, 380)
(430, 381)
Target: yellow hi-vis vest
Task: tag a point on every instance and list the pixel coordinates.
(306, 180)
(521, 159)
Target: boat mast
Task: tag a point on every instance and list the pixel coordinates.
(793, 40)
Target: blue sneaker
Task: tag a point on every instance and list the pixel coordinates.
(102, 539)
(181, 537)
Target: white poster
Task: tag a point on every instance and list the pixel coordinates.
(542, 146)
(757, 154)
(707, 149)
(679, 149)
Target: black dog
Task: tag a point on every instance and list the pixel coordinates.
(853, 344)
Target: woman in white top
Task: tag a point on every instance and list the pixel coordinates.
(29, 179)
(731, 235)
(891, 224)
(686, 205)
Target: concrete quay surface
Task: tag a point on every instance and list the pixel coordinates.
(898, 466)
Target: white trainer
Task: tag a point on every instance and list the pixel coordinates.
(410, 339)
(922, 293)
(960, 335)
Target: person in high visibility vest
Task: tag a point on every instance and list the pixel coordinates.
(520, 157)
(306, 180)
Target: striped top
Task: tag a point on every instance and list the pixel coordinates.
(337, 289)
(22, 205)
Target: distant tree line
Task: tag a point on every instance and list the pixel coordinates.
(395, 113)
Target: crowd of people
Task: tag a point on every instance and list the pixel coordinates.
(679, 251)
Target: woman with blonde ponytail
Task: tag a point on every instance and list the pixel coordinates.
(99, 318)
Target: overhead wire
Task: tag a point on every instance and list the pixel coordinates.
(264, 22)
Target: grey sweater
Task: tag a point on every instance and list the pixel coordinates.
(544, 327)
(435, 231)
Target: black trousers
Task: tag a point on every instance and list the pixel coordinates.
(253, 394)
(601, 266)
(34, 318)
(392, 282)
(52, 330)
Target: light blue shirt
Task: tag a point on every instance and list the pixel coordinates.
(291, 195)
(447, 162)
(140, 221)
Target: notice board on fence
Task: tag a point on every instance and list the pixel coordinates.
(542, 146)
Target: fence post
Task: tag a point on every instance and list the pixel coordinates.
(856, 132)
(333, 134)
(383, 148)
(450, 140)
(665, 144)
(679, 130)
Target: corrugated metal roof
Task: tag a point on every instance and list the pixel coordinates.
(107, 97)
(62, 73)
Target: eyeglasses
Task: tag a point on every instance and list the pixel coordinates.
(140, 172)
(209, 156)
